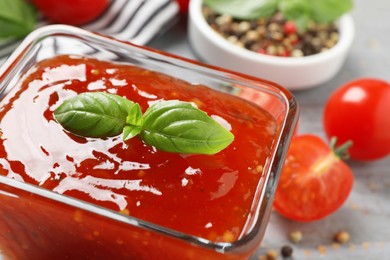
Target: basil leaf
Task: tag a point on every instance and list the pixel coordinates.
(248, 9)
(96, 114)
(324, 11)
(134, 123)
(130, 131)
(17, 18)
(176, 126)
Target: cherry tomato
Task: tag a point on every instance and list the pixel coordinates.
(314, 182)
(183, 6)
(74, 12)
(360, 111)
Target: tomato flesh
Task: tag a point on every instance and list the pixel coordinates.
(314, 182)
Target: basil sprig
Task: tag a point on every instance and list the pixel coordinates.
(299, 11)
(172, 126)
(244, 9)
(17, 18)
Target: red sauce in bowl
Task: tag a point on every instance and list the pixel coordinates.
(208, 196)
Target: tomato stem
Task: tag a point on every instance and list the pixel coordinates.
(342, 150)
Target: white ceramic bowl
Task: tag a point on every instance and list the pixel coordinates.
(291, 73)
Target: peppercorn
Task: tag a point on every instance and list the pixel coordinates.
(223, 19)
(277, 36)
(286, 251)
(255, 47)
(244, 26)
(273, 27)
(342, 237)
(274, 35)
(334, 36)
(252, 35)
(271, 50)
(295, 236)
(296, 53)
(272, 255)
(323, 35)
(232, 38)
(289, 27)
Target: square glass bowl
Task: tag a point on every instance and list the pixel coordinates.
(28, 228)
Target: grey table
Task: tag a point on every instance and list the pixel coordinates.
(366, 214)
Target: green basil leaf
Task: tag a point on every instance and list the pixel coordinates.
(176, 126)
(324, 11)
(297, 11)
(17, 18)
(248, 9)
(134, 116)
(131, 131)
(134, 123)
(95, 114)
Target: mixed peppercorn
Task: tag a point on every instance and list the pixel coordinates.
(273, 36)
(295, 237)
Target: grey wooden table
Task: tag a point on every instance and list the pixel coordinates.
(366, 214)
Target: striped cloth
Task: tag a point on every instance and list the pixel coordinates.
(137, 21)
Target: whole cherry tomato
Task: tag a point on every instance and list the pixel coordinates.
(360, 111)
(183, 6)
(74, 12)
(314, 182)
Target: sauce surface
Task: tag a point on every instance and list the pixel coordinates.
(209, 196)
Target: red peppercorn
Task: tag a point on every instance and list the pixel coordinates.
(294, 39)
(284, 53)
(289, 27)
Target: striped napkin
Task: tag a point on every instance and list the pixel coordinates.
(137, 21)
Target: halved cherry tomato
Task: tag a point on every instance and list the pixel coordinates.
(314, 182)
(360, 111)
(74, 12)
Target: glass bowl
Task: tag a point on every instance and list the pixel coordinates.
(29, 230)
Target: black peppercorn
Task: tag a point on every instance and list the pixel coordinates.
(286, 251)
